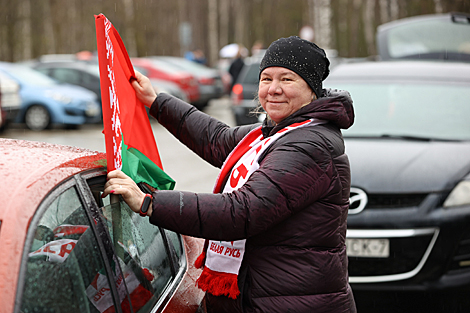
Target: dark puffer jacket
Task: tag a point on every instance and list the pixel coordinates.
(292, 210)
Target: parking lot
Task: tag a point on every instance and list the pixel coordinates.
(187, 169)
(193, 174)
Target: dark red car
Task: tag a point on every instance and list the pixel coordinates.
(160, 70)
(64, 249)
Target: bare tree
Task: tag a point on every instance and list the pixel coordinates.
(240, 21)
(224, 14)
(24, 30)
(49, 34)
(322, 21)
(213, 32)
(29, 28)
(353, 27)
(438, 6)
(129, 14)
(369, 27)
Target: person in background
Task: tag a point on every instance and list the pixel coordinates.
(236, 65)
(196, 55)
(275, 225)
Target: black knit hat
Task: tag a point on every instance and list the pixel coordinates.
(301, 56)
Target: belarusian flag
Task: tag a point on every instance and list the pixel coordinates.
(130, 144)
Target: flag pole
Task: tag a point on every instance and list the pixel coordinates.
(117, 225)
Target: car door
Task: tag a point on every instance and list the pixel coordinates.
(151, 258)
(86, 254)
(64, 259)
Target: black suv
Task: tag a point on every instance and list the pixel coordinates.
(244, 93)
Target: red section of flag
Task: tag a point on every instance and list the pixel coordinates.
(123, 114)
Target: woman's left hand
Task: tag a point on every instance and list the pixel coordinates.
(120, 184)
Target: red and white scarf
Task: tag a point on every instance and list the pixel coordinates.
(222, 259)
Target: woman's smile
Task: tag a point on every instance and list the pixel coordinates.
(282, 92)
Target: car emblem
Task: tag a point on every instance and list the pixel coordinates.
(357, 200)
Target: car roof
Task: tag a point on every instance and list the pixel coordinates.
(403, 70)
(85, 66)
(29, 170)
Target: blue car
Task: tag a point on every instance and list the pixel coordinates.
(46, 102)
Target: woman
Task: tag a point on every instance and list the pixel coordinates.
(277, 222)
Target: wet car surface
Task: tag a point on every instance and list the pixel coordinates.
(69, 250)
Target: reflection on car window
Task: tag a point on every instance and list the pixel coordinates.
(175, 241)
(429, 37)
(409, 110)
(66, 75)
(252, 75)
(65, 271)
(142, 255)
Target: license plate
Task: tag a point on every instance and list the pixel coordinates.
(368, 248)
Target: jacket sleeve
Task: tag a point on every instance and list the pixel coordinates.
(293, 174)
(208, 137)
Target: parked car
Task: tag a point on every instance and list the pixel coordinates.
(65, 249)
(425, 37)
(86, 74)
(209, 79)
(3, 115)
(80, 73)
(245, 91)
(155, 69)
(45, 102)
(10, 100)
(409, 150)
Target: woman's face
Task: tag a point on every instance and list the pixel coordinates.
(282, 92)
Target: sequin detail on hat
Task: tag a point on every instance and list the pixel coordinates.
(301, 56)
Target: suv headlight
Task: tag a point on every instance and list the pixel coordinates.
(460, 195)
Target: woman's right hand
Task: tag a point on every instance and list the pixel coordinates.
(120, 184)
(144, 89)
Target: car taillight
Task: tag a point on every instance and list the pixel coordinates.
(237, 94)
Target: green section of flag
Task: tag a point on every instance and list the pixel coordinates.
(142, 170)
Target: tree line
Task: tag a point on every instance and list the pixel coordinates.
(29, 29)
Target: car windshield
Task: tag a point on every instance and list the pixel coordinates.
(420, 38)
(428, 111)
(27, 75)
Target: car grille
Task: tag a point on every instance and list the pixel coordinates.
(386, 201)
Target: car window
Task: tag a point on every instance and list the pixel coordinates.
(66, 75)
(175, 241)
(27, 75)
(65, 269)
(427, 37)
(409, 109)
(251, 75)
(420, 38)
(141, 252)
(90, 80)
